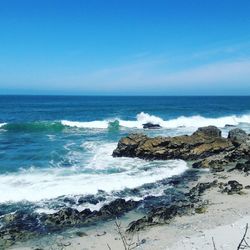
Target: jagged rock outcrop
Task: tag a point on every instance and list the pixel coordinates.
(70, 216)
(150, 125)
(203, 143)
(21, 225)
(192, 203)
(242, 167)
(210, 131)
(237, 136)
(233, 187)
(206, 147)
(215, 162)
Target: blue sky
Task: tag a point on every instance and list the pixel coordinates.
(130, 47)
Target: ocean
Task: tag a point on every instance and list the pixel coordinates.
(56, 151)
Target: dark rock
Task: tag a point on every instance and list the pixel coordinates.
(214, 162)
(141, 223)
(69, 200)
(237, 136)
(247, 167)
(210, 131)
(200, 188)
(90, 199)
(247, 187)
(240, 166)
(128, 145)
(65, 217)
(205, 146)
(229, 125)
(86, 212)
(163, 214)
(69, 217)
(195, 147)
(21, 225)
(150, 125)
(240, 152)
(17, 227)
(117, 207)
(21, 220)
(233, 187)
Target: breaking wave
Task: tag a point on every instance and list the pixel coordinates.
(100, 172)
(182, 121)
(32, 126)
(141, 118)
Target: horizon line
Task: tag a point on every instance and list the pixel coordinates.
(103, 95)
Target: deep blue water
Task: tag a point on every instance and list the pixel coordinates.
(85, 108)
(52, 146)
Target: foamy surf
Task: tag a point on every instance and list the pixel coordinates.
(93, 124)
(101, 172)
(182, 121)
(141, 118)
(2, 124)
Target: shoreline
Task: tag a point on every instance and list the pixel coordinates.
(213, 193)
(224, 212)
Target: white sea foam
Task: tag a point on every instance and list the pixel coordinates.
(93, 124)
(142, 118)
(45, 211)
(2, 124)
(104, 173)
(182, 121)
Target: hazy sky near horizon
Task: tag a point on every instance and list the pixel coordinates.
(132, 47)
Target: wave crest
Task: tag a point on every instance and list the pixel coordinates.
(141, 118)
(33, 126)
(182, 121)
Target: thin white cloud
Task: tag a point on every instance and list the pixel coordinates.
(148, 74)
(142, 78)
(226, 50)
(237, 72)
(220, 72)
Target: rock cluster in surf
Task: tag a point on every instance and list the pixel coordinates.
(206, 148)
(189, 204)
(22, 226)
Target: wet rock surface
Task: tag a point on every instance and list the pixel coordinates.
(150, 125)
(216, 162)
(197, 146)
(237, 136)
(16, 227)
(242, 167)
(21, 226)
(191, 203)
(205, 147)
(232, 187)
(210, 131)
(69, 217)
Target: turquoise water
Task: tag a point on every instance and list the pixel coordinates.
(56, 147)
